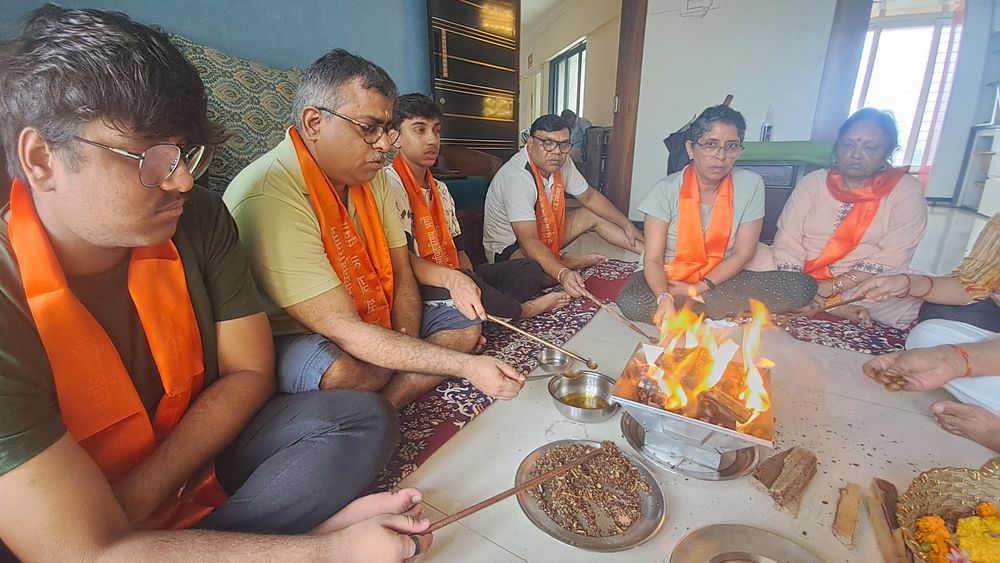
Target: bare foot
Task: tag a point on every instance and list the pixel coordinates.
(580, 261)
(404, 501)
(548, 302)
(969, 421)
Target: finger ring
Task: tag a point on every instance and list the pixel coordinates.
(416, 545)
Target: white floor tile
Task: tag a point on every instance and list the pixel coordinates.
(456, 542)
(950, 234)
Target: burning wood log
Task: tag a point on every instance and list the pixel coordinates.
(846, 520)
(717, 407)
(648, 393)
(785, 477)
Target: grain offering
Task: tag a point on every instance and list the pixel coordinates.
(600, 498)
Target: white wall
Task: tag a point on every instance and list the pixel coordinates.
(971, 76)
(763, 52)
(597, 21)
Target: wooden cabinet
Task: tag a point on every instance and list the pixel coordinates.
(780, 177)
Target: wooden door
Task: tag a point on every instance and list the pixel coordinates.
(474, 72)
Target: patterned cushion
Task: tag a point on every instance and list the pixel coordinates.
(251, 101)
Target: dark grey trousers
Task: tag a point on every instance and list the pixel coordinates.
(301, 459)
(781, 292)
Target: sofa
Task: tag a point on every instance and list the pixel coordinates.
(253, 103)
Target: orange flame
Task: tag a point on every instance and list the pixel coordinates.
(754, 395)
(696, 359)
(693, 295)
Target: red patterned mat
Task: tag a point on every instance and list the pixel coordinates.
(438, 415)
(828, 330)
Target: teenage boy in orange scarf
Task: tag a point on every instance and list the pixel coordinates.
(325, 243)
(136, 364)
(427, 212)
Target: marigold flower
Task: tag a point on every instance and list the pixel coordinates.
(985, 510)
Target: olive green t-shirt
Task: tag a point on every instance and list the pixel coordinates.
(281, 234)
(221, 288)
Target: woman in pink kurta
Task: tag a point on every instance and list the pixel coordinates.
(822, 203)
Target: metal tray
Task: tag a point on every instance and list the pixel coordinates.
(653, 507)
(735, 464)
(732, 542)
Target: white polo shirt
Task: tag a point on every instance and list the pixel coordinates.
(512, 196)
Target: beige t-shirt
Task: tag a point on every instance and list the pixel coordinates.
(281, 233)
(406, 210)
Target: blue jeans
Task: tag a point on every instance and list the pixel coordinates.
(302, 359)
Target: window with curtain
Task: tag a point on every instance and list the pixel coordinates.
(567, 72)
(907, 67)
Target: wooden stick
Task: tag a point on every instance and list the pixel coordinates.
(842, 303)
(590, 363)
(616, 314)
(514, 490)
(888, 534)
(846, 520)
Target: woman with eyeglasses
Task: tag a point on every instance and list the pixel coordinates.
(860, 218)
(702, 226)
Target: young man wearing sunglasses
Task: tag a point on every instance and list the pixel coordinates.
(525, 214)
(136, 365)
(324, 239)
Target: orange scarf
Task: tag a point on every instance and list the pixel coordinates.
(97, 399)
(550, 216)
(698, 252)
(430, 227)
(363, 266)
(852, 229)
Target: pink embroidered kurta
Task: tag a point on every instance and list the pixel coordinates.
(811, 215)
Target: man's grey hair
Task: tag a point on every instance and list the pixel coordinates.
(323, 82)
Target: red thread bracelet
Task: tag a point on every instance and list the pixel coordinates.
(965, 354)
(907, 292)
(930, 280)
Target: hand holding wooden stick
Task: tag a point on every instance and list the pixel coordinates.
(842, 303)
(514, 490)
(590, 363)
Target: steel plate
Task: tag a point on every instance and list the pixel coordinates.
(652, 506)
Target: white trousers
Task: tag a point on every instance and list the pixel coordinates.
(981, 390)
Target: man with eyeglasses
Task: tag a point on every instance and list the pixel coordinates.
(320, 224)
(526, 215)
(136, 364)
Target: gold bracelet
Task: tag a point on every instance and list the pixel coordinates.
(660, 297)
